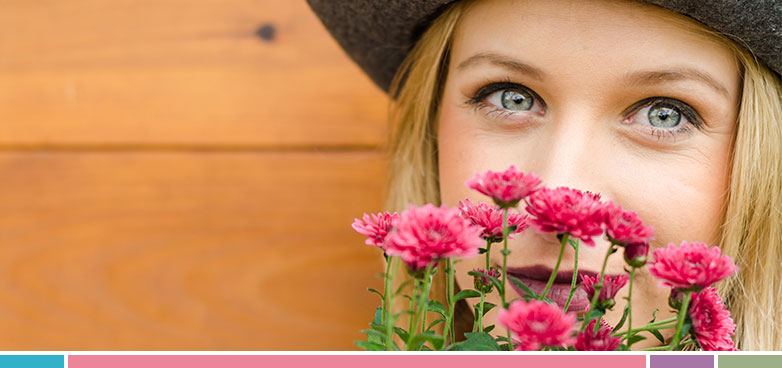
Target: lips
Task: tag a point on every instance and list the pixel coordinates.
(536, 277)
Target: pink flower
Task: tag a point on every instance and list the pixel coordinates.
(375, 227)
(536, 324)
(611, 286)
(636, 254)
(625, 227)
(506, 188)
(566, 210)
(489, 218)
(711, 322)
(690, 266)
(425, 234)
(589, 340)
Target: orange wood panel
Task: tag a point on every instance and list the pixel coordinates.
(179, 72)
(185, 250)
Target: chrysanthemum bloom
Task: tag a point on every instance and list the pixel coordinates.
(636, 254)
(589, 340)
(711, 322)
(536, 324)
(566, 210)
(506, 188)
(611, 286)
(425, 234)
(690, 266)
(482, 283)
(489, 218)
(375, 227)
(624, 227)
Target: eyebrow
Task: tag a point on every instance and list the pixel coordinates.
(644, 77)
(503, 61)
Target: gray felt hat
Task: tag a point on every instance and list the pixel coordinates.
(377, 34)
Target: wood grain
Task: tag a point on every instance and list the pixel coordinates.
(179, 72)
(185, 251)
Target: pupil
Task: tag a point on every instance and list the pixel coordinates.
(516, 100)
(664, 117)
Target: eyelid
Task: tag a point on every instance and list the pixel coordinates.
(491, 87)
(688, 112)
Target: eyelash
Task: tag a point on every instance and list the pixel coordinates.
(478, 101)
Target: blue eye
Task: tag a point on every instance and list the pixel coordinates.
(664, 117)
(512, 99)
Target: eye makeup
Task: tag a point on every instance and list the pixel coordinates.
(689, 116)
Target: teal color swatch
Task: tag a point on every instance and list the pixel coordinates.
(32, 361)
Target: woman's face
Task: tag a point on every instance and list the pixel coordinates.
(611, 97)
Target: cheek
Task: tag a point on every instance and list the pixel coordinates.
(681, 197)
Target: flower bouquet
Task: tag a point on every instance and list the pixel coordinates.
(423, 237)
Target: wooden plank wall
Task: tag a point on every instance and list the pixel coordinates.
(182, 175)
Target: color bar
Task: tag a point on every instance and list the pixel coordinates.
(32, 361)
(682, 361)
(750, 361)
(359, 361)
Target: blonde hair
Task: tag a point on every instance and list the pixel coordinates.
(752, 222)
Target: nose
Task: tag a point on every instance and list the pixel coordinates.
(572, 150)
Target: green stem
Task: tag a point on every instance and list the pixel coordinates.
(389, 300)
(556, 267)
(682, 314)
(386, 287)
(488, 252)
(479, 320)
(504, 257)
(575, 276)
(505, 252)
(451, 303)
(416, 288)
(651, 326)
(599, 285)
(630, 310)
(421, 303)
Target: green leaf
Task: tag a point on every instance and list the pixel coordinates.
(635, 339)
(621, 347)
(654, 316)
(371, 290)
(658, 335)
(434, 323)
(476, 341)
(523, 287)
(401, 333)
(486, 307)
(488, 329)
(378, 316)
(464, 294)
(402, 286)
(369, 346)
(685, 329)
(378, 327)
(594, 314)
(622, 321)
(429, 336)
(437, 307)
(482, 250)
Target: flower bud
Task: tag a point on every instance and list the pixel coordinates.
(636, 254)
(676, 299)
(483, 283)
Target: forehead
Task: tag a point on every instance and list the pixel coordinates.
(590, 38)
